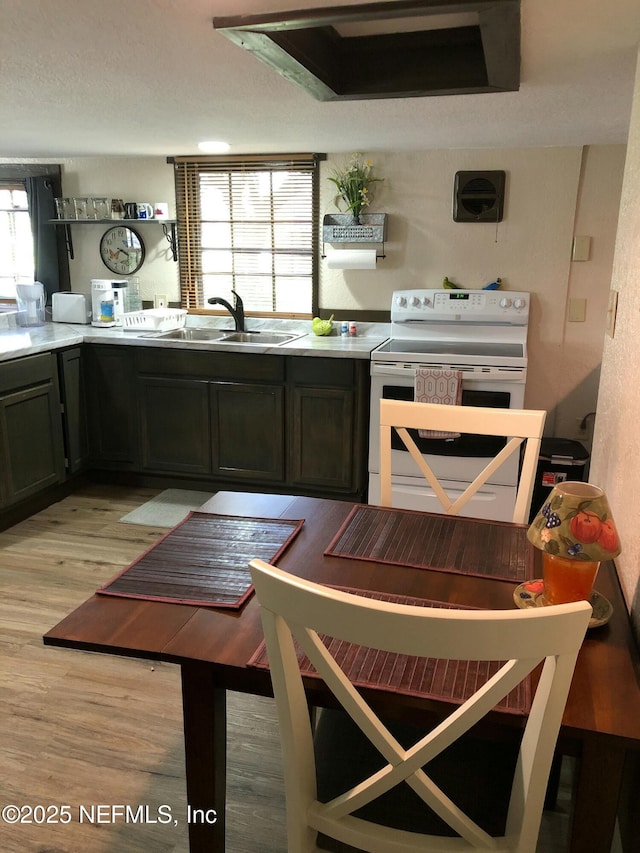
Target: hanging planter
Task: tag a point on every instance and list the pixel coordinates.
(342, 228)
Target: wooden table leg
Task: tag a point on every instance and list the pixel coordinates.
(205, 728)
(599, 779)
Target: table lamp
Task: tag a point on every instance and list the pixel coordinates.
(575, 531)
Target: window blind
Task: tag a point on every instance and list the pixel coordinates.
(249, 224)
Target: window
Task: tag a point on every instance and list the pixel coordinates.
(249, 224)
(16, 239)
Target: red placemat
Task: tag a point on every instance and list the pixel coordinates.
(204, 560)
(446, 543)
(431, 678)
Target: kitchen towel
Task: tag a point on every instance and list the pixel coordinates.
(438, 386)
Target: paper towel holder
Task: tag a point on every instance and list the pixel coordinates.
(369, 229)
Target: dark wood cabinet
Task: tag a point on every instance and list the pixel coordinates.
(322, 437)
(31, 443)
(74, 409)
(174, 425)
(328, 425)
(113, 425)
(277, 422)
(247, 431)
(211, 413)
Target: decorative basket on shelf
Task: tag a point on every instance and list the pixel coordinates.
(342, 228)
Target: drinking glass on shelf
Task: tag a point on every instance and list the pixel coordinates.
(69, 208)
(60, 211)
(81, 205)
(102, 208)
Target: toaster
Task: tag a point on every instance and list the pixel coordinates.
(70, 308)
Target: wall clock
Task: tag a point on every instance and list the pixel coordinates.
(122, 250)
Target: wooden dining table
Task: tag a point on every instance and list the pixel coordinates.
(213, 647)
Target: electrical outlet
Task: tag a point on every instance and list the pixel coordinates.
(160, 301)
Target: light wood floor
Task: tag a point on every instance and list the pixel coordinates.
(84, 729)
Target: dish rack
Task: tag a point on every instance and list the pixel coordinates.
(154, 319)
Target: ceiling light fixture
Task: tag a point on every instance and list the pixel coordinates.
(214, 146)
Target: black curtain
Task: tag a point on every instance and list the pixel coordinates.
(40, 195)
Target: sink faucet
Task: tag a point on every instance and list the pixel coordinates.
(236, 312)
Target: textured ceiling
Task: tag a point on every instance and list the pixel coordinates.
(153, 77)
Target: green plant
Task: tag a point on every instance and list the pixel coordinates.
(355, 184)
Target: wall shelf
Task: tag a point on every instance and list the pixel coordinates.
(168, 228)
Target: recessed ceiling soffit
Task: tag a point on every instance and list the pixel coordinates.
(388, 50)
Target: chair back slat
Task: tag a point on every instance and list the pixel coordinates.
(521, 427)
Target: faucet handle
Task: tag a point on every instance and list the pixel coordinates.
(238, 302)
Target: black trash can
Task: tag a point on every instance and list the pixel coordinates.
(560, 459)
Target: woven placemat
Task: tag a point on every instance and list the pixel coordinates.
(430, 678)
(204, 560)
(443, 542)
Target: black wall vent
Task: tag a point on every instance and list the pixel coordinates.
(478, 196)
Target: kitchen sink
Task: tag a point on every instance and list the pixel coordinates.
(259, 337)
(221, 336)
(191, 334)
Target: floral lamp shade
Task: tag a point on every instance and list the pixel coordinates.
(575, 522)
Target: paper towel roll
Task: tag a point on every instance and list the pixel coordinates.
(352, 259)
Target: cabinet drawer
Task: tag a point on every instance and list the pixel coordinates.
(32, 370)
(211, 365)
(328, 372)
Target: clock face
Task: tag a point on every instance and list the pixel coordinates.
(122, 250)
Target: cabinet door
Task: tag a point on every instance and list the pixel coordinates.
(322, 437)
(112, 406)
(174, 425)
(74, 420)
(31, 446)
(247, 431)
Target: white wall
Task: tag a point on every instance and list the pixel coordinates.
(550, 191)
(616, 461)
(597, 217)
(147, 179)
(552, 194)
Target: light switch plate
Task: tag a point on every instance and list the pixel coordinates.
(581, 248)
(577, 310)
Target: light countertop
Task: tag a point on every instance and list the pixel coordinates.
(16, 342)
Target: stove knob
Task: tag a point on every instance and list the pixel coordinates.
(401, 301)
(415, 301)
(505, 302)
(426, 301)
(519, 303)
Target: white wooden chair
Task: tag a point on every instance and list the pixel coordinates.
(292, 607)
(521, 426)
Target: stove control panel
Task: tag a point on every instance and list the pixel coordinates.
(473, 306)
